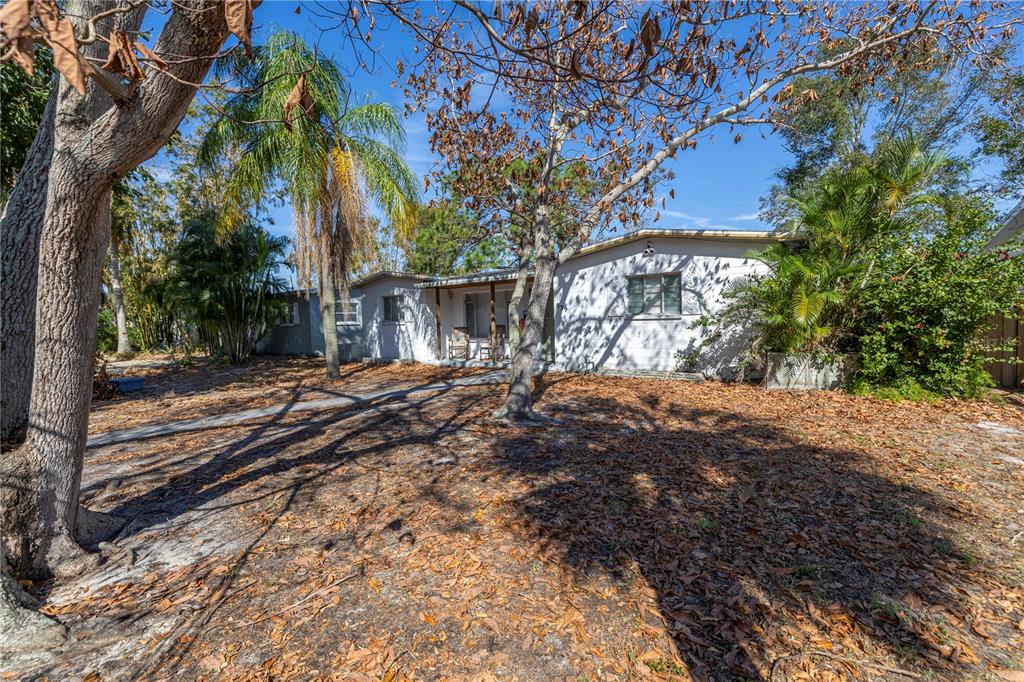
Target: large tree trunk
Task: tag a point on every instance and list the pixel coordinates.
(518, 406)
(95, 143)
(20, 229)
(328, 310)
(124, 344)
(75, 239)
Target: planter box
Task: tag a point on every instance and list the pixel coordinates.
(803, 372)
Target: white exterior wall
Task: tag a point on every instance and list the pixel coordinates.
(593, 328)
(412, 339)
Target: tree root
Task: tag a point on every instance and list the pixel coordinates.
(523, 418)
(95, 527)
(23, 630)
(68, 559)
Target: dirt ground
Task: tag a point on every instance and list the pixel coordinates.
(657, 530)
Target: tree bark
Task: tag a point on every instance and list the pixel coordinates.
(20, 230)
(95, 143)
(518, 406)
(75, 240)
(124, 344)
(328, 318)
(515, 303)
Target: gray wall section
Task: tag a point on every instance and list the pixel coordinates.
(307, 338)
(293, 339)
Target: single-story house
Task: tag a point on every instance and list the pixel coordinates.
(624, 304)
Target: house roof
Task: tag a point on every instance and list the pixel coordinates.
(1013, 227)
(500, 275)
(381, 274)
(508, 274)
(718, 235)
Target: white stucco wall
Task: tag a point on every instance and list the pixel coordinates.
(412, 339)
(593, 328)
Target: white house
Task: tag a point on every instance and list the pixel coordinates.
(626, 303)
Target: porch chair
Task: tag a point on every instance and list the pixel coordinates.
(496, 352)
(458, 343)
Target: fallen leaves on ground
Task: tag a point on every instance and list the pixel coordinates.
(658, 531)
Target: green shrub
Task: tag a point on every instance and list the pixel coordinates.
(106, 331)
(906, 389)
(924, 313)
(885, 266)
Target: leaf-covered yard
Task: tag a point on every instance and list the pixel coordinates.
(660, 530)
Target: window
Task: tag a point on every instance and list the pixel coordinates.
(655, 295)
(471, 314)
(393, 308)
(290, 316)
(351, 317)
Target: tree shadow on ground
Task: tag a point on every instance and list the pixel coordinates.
(286, 460)
(205, 375)
(740, 541)
(258, 456)
(749, 541)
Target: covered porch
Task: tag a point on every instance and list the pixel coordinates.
(471, 318)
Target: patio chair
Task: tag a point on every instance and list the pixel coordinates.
(458, 343)
(496, 352)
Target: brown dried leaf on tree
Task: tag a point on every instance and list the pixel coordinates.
(150, 55)
(238, 14)
(650, 34)
(60, 34)
(298, 97)
(121, 57)
(15, 23)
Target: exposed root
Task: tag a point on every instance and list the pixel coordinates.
(523, 418)
(67, 559)
(95, 527)
(23, 630)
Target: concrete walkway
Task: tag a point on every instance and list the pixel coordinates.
(198, 424)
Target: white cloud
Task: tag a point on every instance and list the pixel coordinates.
(746, 217)
(693, 222)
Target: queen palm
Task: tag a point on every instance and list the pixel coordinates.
(333, 155)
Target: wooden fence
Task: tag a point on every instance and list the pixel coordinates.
(1007, 374)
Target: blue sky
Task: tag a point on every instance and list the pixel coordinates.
(717, 186)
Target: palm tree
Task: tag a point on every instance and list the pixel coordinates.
(803, 304)
(226, 286)
(333, 159)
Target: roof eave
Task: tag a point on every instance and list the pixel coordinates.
(463, 280)
(382, 274)
(714, 235)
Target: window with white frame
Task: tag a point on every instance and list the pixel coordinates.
(351, 317)
(289, 317)
(393, 308)
(655, 294)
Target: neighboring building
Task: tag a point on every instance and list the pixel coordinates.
(627, 303)
(1007, 368)
(1012, 227)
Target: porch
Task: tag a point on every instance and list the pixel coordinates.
(471, 324)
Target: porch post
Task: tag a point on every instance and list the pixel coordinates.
(494, 319)
(437, 319)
